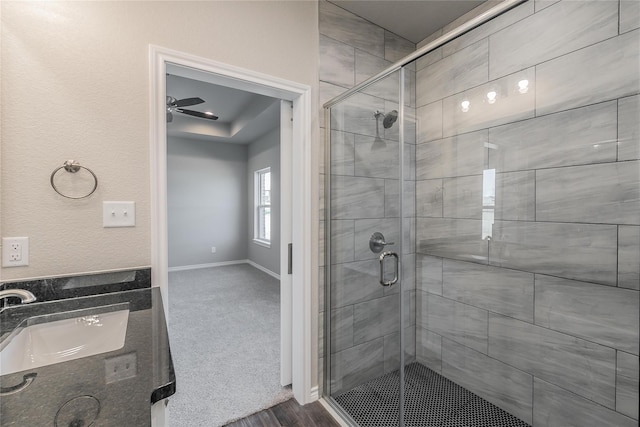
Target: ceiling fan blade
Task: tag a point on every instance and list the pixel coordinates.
(169, 117)
(188, 101)
(198, 114)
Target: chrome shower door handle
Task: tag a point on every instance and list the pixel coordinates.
(383, 255)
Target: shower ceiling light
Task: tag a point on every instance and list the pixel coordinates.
(465, 105)
(523, 86)
(491, 96)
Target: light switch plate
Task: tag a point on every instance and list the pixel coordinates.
(118, 214)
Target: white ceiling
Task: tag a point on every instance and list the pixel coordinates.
(414, 20)
(245, 116)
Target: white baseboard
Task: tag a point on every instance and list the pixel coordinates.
(314, 394)
(213, 264)
(261, 268)
(221, 264)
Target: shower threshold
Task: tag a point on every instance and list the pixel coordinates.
(430, 400)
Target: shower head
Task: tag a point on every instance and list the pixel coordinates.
(389, 119)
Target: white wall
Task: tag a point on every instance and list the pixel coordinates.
(263, 153)
(75, 84)
(206, 201)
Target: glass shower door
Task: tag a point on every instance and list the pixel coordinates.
(365, 318)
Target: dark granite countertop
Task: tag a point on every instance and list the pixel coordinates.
(78, 391)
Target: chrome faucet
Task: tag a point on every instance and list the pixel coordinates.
(25, 296)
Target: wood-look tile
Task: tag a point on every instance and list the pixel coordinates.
(396, 47)
(601, 72)
(456, 321)
(555, 357)
(504, 291)
(629, 15)
(337, 62)
(602, 314)
(629, 257)
(574, 251)
(342, 241)
(356, 365)
(341, 328)
(515, 196)
(606, 193)
(429, 274)
(392, 349)
(462, 197)
(429, 348)
(356, 114)
(455, 73)
(367, 66)
(499, 383)
(542, 4)
(628, 377)
(629, 128)
(392, 203)
(351, 29)
(510, 106)
(327, 92)
(429, 122)
(579, 136)
(356, 197)
(554, 406)
(451, 238)
(342, 153)
(429, 198)
(485, 30)
(450, 157)
(376, 157)
(556, 31)
(260, 419)
(354, 282)
(292, 414)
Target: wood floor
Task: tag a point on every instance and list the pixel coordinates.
(289, 414)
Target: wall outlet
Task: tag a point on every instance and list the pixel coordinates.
(213, 249)
(121, 367)
(15, 251)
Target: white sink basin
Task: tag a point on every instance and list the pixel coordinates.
(60, 337)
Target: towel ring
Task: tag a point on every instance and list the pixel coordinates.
(73, 167)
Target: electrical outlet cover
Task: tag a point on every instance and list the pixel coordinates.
(121, 367)
(15, 251)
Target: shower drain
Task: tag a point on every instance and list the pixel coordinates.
(431, 400)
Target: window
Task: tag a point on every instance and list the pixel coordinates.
(262, 188)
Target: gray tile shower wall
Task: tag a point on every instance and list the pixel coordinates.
(365, 333)
(528, 277)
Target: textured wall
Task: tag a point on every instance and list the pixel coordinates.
(365, 174)
(75, 85)
(262, 153)
(541, 318)
(207, 187)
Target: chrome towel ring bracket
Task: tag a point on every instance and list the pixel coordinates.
(73, 166)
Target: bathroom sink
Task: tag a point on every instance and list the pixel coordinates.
(59, 337)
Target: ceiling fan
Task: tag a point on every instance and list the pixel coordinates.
(175, 106)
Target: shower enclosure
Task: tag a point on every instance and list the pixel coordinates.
(482, 226)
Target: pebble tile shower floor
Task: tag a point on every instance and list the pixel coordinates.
(431, 400)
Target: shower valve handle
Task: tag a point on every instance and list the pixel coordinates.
(377, 242)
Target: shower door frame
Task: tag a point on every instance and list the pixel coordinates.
(473, 23)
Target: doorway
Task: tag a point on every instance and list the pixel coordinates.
(296, 294)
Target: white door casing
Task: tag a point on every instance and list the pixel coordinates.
(299, 158)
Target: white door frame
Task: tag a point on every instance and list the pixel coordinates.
(159, 59)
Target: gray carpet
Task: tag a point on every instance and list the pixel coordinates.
(224, 327)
